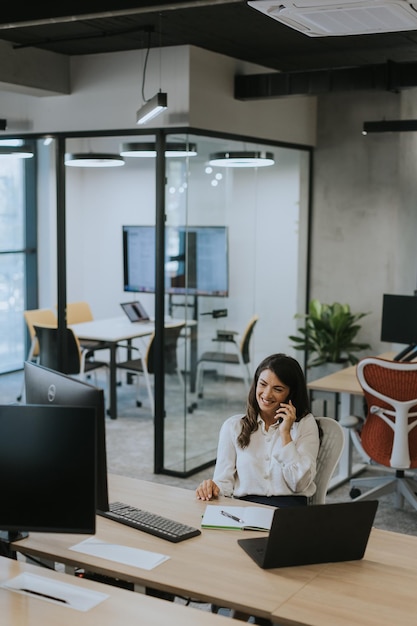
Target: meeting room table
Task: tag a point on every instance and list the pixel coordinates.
(117, 331)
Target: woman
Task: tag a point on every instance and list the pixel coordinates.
(269, 454)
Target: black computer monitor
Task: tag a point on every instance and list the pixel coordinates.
(47, 470)
(45, 386)
(399, 322)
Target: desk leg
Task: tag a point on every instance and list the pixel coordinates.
(113, 383)
(346, 469)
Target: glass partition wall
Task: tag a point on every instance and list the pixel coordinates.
(223, 227)
(236, 237)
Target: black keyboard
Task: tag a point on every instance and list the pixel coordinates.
(150, 522)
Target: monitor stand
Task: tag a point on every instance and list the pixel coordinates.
(7, 537)
(407, 354)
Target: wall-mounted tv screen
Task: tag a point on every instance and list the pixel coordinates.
(196, 260)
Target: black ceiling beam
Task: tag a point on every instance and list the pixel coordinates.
(383, 77)
(389, 126)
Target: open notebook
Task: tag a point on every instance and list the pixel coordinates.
(237, 517)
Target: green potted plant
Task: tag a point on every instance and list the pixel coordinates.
(329, 333)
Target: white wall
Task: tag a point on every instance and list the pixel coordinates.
(106, 92)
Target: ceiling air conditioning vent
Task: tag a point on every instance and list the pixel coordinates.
(327, 18)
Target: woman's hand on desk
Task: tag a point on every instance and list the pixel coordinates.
(207, 490)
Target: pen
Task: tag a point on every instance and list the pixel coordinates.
(43, 595)
(237, 519)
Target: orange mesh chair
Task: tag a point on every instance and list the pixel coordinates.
(389, 433)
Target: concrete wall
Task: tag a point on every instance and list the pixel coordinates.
(364, 205)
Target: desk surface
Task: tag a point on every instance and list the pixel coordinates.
(344, 380)
(120, 608)
(210, 567)
(379, 589)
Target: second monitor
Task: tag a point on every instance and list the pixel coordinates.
(45, 386)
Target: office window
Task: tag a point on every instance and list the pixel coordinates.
(14, 263)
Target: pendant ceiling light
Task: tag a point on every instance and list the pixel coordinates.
(93, 159)
(17, 152)
(254, 158)
(137, 149)
(151, 107)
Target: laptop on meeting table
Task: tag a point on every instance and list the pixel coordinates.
(135, 311)
(319, 533)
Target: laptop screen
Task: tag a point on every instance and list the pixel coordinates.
(135, 311)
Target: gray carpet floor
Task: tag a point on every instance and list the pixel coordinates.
(130, 453)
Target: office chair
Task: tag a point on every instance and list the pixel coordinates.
(78, 363)
(389, 433)
(145, 365)
(240, 355)
(332, 440)
(31, 317)
(78, 312)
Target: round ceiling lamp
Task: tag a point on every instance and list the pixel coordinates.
(93, 159)
(242, 159)
(137, 149)
(17, 152)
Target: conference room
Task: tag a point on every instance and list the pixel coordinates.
(325, 253)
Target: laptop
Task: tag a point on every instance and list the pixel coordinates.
(319, 533)
(135, 311)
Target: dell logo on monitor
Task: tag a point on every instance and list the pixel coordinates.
(51, 393)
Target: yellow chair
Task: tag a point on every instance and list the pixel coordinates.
(31, 317)
(78, 312)
(37, 316)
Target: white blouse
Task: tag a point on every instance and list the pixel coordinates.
(266, 467)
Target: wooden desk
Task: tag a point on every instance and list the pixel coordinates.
(211, 567)
(121, 608)
(380, 589)
(114, 331)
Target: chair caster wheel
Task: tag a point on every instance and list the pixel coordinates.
(138, 403)
(355, 493)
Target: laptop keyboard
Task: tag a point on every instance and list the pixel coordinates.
(151, 523)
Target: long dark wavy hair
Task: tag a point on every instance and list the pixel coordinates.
(289, 371)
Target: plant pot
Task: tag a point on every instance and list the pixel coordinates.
(313, 373)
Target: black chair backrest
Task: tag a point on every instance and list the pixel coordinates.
(171, 335)
(48, 349)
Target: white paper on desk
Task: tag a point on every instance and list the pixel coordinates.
(120, 554)
(55, 591)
